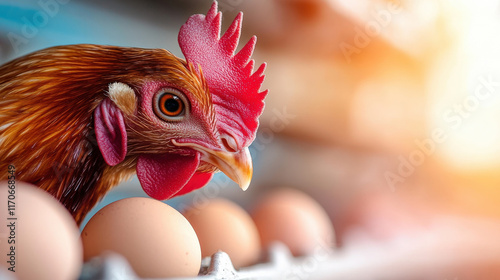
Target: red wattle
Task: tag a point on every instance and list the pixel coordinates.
(163, 176)
(198, 180)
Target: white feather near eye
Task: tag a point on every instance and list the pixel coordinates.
(123, 96)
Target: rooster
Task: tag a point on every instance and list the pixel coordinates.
(77, 120)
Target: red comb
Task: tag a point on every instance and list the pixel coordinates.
(235, 90)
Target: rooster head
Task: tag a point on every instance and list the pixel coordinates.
(187, 119)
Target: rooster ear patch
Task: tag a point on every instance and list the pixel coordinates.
(123, 96)
(110, 132)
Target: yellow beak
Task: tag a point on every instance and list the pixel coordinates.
(236, 165)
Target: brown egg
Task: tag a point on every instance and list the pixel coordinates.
(295, 219)
(39, 238)
(157, 241)
(223, 225)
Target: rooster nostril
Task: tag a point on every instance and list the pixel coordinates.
(229, 144)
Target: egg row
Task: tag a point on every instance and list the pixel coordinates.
(156, 239)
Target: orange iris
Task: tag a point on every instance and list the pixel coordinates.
(171, 105)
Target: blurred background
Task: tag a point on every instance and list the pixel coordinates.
(387, 112)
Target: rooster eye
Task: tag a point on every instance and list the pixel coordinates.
(170, 105)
